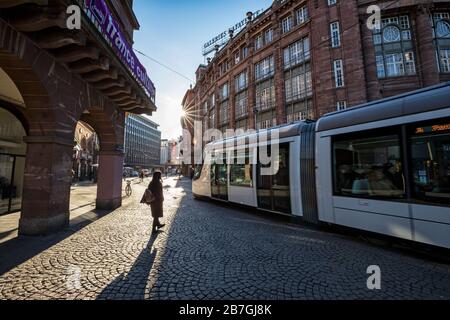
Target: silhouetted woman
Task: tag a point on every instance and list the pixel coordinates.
(156, 188)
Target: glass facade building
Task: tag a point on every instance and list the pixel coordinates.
(142, 142)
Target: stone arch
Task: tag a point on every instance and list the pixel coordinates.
(55, 100)
(109, 126)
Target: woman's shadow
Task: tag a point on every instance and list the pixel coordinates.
(132, 285)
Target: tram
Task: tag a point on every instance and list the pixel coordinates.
(382, 167)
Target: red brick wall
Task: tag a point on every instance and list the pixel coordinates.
(356, 52)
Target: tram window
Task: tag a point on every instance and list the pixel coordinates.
(241, 175)
(370, 167)
(197, 171)
(274, 191)
(430, 152)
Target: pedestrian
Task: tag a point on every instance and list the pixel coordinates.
(156, 188)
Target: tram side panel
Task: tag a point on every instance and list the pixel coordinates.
(201, 186)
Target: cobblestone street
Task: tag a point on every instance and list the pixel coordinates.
(207, 251)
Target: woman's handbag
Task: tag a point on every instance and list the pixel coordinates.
(148, 197)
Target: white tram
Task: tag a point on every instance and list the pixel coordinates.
(382, 167)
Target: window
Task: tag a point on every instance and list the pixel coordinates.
(430, 152)
(444, 59)
(264, 68)
(241, 171)
(302, 15)
(380, 67)
(335, 34)
(241, 105)
(265, 95)
(266, 124)
(332, 2)
(338, 73)
(224, 112)
(286, 24)
(273, 191)
(298, 83)
(299, 115)
(223, 68)
(341, 105)
(395, 64)
(197, 171)
(296, 53)
(244, 52)
(241, 81)
(441, 31)
(237, 57)
(224, 92)
(268, 36)
(368, 167)
(393, 47)
(258, 42)
(391, 34)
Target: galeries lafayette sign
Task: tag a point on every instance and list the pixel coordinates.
(100, 15)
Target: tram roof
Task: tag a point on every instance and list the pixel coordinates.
(284, 131)
(423, 100)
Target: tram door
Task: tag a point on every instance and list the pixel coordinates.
(219, 180)
(274, 191)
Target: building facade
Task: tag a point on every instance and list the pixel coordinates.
(51, 78)
(85, 153)
(142, 143)
(165, 155)
(302, 59)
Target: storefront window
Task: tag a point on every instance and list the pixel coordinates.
(430, 152)
(12, 162)
(369, 167)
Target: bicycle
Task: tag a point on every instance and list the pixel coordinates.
(128, 190)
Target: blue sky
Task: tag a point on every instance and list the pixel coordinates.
(173, 32)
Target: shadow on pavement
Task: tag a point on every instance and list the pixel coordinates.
(22, 248)
(132, 285)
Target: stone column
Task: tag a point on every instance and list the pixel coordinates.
(47, 181)
(109, 185)
(427, 65)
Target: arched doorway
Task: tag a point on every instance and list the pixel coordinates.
(84, 170)
(12, 161)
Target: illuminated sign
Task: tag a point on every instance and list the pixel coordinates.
(224, 37)
(434, 128)
(100, 15)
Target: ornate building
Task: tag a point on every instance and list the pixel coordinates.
(85, 153)
(301, 59)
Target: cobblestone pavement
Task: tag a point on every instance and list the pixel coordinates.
(208, 251)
